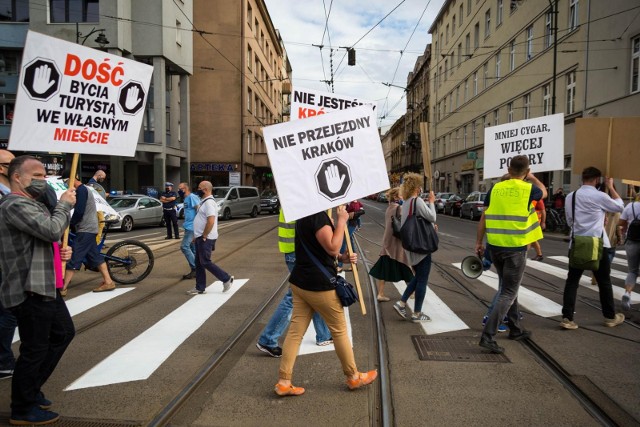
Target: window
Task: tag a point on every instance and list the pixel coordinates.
(475, 83)
(473, 133)
(453, 25)
(14, 10)
(467, 45)
(444, 104)
(447, 33)
(573, 14)
(178, 33)
(249, 141)
(571, 93)
(457, 146)
(249, 99)
(249, 58)
(464, 137)
(546, 100)
(249, 14)
(459, 54)
(512, 55)
(74, 11)
(499, 13)
(527, 106)
(451, 102)
(498, 62)
(446, 67)
(510, 112)
(440, 75)
(513, 6)
(485, 73)
(476, 36)
(468, 7)
(496, 117)
(635, 64)
(466, 90)
(529, 54)
(257, 69)
(548, 28)
(487, 23)
(457, 96)
(7, 105)
(460, 14)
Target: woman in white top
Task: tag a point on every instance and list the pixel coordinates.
(632, 247)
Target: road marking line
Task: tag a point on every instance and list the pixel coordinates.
(141, 356)
(614, 273)
(528, 299)
(443, 319)
(87, 301)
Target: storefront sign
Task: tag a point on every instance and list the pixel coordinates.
(212, 167)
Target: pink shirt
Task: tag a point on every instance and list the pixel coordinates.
(57, 266)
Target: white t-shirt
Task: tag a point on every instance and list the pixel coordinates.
(629, 210)
(208, 207)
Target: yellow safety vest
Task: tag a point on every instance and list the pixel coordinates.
(286, 235)
(511, 221)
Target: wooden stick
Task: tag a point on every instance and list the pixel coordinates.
(72, 183)
(354, 267)
(608, 170)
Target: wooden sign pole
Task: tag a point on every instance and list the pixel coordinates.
(426, 154)
(354, 267)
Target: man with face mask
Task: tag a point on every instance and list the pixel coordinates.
(168, 199)
(28, 288)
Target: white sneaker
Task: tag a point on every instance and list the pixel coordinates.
(615, 321)
(195, 291)
(227, 285)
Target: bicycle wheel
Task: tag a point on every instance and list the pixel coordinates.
(129, 261)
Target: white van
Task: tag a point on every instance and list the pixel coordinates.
(237, 200)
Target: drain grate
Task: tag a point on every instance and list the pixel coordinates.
(453, 349)
(80, 422)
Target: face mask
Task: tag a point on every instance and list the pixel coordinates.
(167, 189)
(200, 193)
(37, 188)
(400, 202)
(180, 193)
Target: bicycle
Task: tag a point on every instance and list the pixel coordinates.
(128, 261)
(556, 221)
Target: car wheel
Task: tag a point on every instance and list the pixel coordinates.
(461, 216)
(127, 223)
(163, 223)
(226, 215)
(254, 212)
(471, 216)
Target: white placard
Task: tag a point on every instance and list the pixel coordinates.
(101, 204)
(326, 161)
(541, 139)
(310, 103)
(74, 99)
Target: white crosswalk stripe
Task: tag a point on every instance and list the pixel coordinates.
(614, 273)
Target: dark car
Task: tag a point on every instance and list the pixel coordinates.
(269, 201)
(473, 205)
(453, 203)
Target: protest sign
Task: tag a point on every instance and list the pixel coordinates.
(75, 99)
(101, 204)
(326, 161)
(310, 103)
(540, 139)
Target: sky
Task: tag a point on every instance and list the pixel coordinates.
(385, 55)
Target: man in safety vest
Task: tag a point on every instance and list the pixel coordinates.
(510, 223)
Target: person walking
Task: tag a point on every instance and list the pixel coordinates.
(590, 206)
(421, 263)
(205, 234)
(268, 340)
(542, 220)
(313, 292)
(28, 288)
(168, 199)
(630, 228)
(8, 321)
(392, 266)
(511, 224)
(96, 182)
(85, 249)
(190, 205)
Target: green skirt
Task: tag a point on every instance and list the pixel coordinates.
(390, 270)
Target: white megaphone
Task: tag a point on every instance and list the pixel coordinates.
(472, 267)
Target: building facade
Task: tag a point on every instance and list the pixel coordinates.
(499, 61)
(156, 32)
(240, 84)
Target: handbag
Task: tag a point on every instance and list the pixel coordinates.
(396, 225)
(345, 290)
(585, 251)
(418, 234)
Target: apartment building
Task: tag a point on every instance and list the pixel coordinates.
(155, 32)
(240, 84)
(498, 61)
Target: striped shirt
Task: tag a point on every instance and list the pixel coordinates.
(26, 251)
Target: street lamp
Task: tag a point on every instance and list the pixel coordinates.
(101, 39)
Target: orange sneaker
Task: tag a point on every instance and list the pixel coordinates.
(363, 379)
(290, 390)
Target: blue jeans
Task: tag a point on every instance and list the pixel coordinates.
(419, 283)
(188, 248)
(282, 316)
(204, 248)
(510, 266)
(8, 325)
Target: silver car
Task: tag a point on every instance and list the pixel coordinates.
(136, 210)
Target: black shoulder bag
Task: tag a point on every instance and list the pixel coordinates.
(345, 290)
(418, 234)
(396, 224)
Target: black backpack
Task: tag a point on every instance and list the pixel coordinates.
(633, 232)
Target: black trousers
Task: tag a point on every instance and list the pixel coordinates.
(46, 329)
(171, 218)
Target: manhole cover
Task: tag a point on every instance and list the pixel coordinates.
(454, 349)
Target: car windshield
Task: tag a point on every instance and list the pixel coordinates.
(483, 196)
(266, 194)
(220, 192)
(122, 202)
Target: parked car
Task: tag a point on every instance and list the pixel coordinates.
(269, 201)
(382, 197)
(136, 210)
(473, 205)
(453, 203)
(440, 199)
(237, 200)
